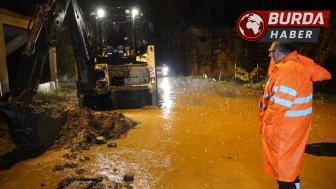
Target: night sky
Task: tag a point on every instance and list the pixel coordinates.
(189, 8)
(165, 13)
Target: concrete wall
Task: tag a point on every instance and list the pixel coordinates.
(12, 19)
(215, 51)
(12, 36)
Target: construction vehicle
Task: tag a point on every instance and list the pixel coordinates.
(116, 80)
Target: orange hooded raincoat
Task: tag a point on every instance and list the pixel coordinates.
(285, 114)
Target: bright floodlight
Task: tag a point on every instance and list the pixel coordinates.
(100, 13)
(135, 12)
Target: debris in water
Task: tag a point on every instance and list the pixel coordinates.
(112, 145)
(129, 177)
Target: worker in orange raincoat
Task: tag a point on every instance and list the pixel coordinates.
(285, 112)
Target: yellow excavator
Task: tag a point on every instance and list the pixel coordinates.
(122, 78)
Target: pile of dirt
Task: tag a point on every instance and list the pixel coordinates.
(85, 128)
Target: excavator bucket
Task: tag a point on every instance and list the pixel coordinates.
(29, 127)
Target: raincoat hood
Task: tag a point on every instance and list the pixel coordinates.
(316, 72)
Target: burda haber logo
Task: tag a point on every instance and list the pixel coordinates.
(267, 26)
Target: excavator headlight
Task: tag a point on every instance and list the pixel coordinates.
(135, 12)
(100, 13)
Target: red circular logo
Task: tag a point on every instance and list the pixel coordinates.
(251, 26)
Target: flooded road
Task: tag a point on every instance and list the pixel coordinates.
(204, 136)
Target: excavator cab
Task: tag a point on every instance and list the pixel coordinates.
(121, 48)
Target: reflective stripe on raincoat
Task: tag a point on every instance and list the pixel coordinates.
(285, 114)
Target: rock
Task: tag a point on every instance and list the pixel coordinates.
(58, 168)
(80, 171)
(87, 182)
(118, 114)
(84, 159)
(100, 140)
(96, 120)
(70, 156)
(70, 165)
(112, 145)
(66, 156)
(103, 121)
(129, 177)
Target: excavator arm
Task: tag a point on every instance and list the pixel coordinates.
(26, 125)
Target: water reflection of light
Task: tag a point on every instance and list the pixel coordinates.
(139, 162)
(167, 101)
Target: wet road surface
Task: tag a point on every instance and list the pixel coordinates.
(204, 136)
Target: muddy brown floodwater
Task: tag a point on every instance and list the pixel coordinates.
(203, 136)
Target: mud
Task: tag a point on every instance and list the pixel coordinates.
(83, 129)
(6, 145)
(91, 182)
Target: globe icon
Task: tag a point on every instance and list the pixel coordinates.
(251, 26)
